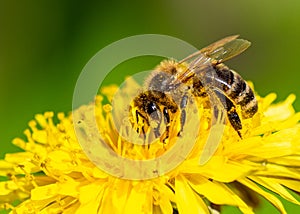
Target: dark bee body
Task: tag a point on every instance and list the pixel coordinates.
(236, 89)
(169, 87)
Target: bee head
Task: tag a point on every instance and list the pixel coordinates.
(145, 112)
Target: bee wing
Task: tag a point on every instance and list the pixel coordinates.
(201, 63)
(223, 49)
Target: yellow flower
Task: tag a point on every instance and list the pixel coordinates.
(53, 174)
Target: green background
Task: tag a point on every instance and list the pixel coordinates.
(45, 44)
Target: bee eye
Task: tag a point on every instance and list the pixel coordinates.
(153, 111)
(151, 108)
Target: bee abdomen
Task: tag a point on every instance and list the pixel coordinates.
(236, 88)
(246, 99)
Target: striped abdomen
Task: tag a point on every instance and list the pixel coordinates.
(237, 89)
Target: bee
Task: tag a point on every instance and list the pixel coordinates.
(170, 86)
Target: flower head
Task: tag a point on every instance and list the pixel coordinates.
(54, 175)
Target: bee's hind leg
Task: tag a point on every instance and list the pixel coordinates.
(235, 120)
(232, 115)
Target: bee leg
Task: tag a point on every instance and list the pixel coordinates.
(167, 122)
(232, 115)
(183, 105)
(155, 114)
(157, 132)
(145, 120)
(138, 114)
(235, 120)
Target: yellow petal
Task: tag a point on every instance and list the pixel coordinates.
(24, 207)
(44, 192)
(247, 146)
(120, 193)
(106, 205)
(10, 191)
(5, 168)
(289, 183)
(278, 171)
(275, 201)
(157, 210)
(68, 187)
(279, 144)
(186, 199)
(166, 196)
(90, 197)
(40, 136)
(97, 173)
(7, 187)
(60, 161)
(165, 205)
(288, 161)
(291, 122)
(71, 207)
(41, 120)
(166, 191)
(217, 193)
(18, 157)
(140, 199)
(163, 196)
(217, 168)
(275, 187)
(281, 111)
(267, 101)
(89, 192)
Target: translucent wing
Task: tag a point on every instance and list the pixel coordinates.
(201, 63)
(223, 49)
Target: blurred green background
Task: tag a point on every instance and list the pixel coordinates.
(45, 44)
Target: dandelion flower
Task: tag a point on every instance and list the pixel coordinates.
(53, 174)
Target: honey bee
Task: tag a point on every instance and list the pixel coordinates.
(170, 86)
